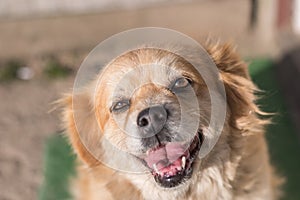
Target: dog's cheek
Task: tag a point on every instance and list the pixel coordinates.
(134, 146)
(75, 127)
(205, 103)
(102, 116)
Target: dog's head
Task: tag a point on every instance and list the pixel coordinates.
(146, 108)
(143, 103)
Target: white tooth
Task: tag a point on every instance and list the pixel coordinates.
(155, 168)
(183, 161)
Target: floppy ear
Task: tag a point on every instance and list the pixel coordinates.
(234, 73)
(81, 125)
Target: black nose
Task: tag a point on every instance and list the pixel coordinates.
(152, 119)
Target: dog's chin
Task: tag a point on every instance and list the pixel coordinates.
(172, 172)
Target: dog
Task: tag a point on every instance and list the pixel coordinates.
(141, 114)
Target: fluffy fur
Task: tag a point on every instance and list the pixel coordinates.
(237, 168)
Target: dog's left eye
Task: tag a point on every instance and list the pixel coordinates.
(181, 83)
(120, 106)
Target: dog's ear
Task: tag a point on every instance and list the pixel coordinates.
(80, 124)
(234, 73)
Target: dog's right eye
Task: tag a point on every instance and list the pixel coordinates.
(120, 106)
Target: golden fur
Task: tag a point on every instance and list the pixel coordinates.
(237, 168)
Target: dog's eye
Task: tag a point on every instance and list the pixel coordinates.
(181, 83)
(120, 106)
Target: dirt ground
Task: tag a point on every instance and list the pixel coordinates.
(225, 20)
(25, 124)
(24, 121)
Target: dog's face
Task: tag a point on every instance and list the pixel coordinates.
(155, 106)
(146, 104)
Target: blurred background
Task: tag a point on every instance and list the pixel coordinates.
(42, 44)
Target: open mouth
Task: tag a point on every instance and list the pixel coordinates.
(172, 163)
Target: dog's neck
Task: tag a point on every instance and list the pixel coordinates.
(208, 184)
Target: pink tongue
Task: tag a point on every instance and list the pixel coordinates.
(165, 155)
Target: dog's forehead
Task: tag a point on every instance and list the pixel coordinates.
(134, 70)
(142, 75)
